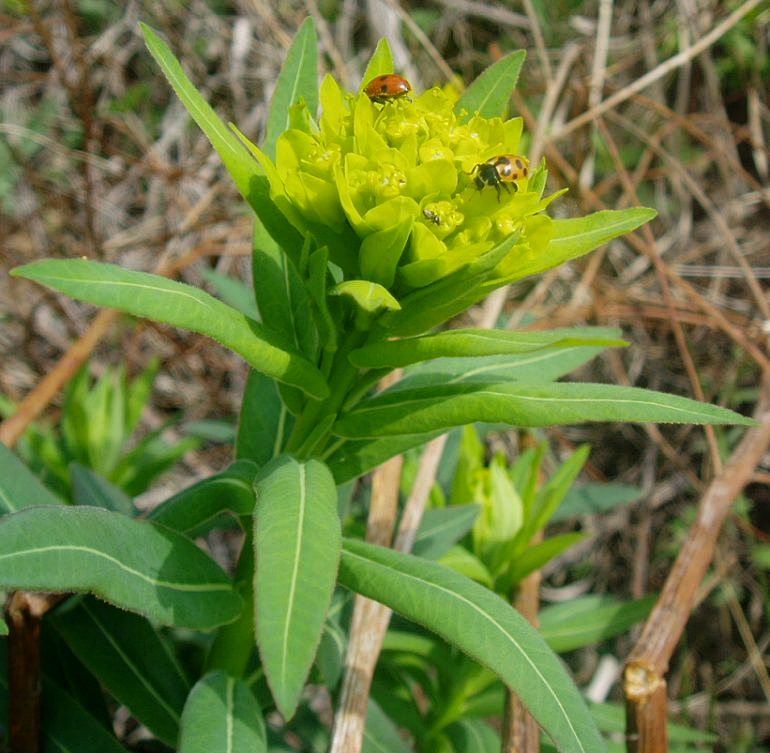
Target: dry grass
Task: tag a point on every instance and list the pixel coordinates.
(99, 160)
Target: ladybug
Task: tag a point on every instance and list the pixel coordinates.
(387, 88)
(500, 171)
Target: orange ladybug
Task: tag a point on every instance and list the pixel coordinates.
(386, 88)
(500, 171)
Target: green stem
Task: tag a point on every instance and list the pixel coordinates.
(305, 437)
(234, 643)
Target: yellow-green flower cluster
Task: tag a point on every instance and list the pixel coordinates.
(390, 188)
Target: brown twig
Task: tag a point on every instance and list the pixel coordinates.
(644, 682)
(24, 612)
(50, 385)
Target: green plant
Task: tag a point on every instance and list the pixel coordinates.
(96, 432)
(370, 228)
(439, 695)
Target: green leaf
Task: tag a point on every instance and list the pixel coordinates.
(19, 487)
(442, 527)
(370, 298)
(594, 499)
(264, 422)
(490, 93)
(235, 293)
(148, 458)
(181, 305)
(380, 734)
(539, 366)
(89, 488)
(318, 287)
(459, 559)
(501, 518)
(297, 80)
(548, 499)
(350, 460)
(471, 343)
(222, 715)
(330, 659)
(579, 235)
(576, 237)
(132, 564)
(427, 307)
(272, 224)
(239, 163)
(70, 727)
(611, 717)
(382, 249)
(483, 626)
(526, 405)
(473, 736)
(282, 299)
(380, 63)
(127, 655)
(196, 509)
(587, 620)
(539, 555)
(297, 544)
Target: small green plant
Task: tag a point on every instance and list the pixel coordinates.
(484, 530)
(98, 420)
(372, 231)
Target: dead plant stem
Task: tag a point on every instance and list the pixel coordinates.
(644, 682)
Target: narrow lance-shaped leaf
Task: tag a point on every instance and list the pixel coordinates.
(239, 163)
(129, 658)
(297, 543)
(195, 509)
(489, 94)
(163, 300)
(427, 307)
(281, 296)
(381, 735)
(297, 80)
(89, 488)
(537, 366)
(222, 715)
(264, 422)
(472, 343)
(538, 555)
(349, 460)
(70, 727)
(524, 405)
(132, 564)
(578, 236)
(380, 63)
(19, 487)
(589, 619)
(546, 500)
(483, 626)
(441, 527)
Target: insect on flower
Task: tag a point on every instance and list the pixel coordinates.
(431, 216)
(500, 171)
(387, 88)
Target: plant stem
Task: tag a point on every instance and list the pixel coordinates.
(234, 643)
(304, 438)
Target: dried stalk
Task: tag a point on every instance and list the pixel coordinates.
(370, 618)
(662, 70)
(521, 733)
(644, 684)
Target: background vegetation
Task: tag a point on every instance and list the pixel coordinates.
(98, 159)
